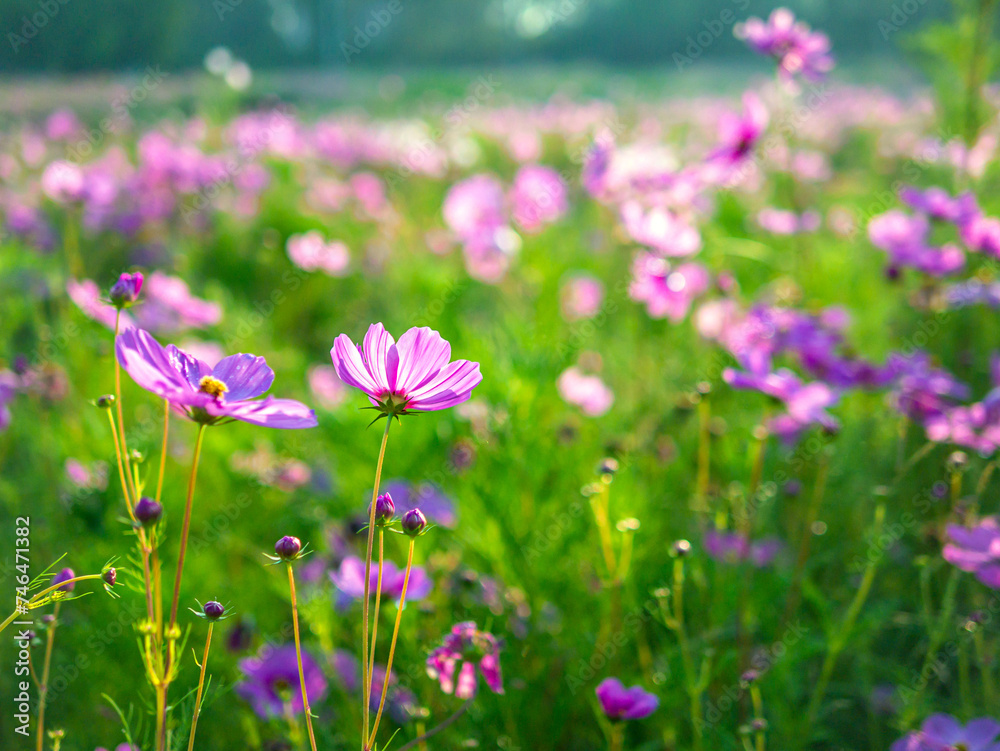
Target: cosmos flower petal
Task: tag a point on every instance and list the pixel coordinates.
(422, 353)
(451, 386)
(350, 367)
(191, 368)
(269, 412)
(149, 364)
(246, 376)
(376, 348)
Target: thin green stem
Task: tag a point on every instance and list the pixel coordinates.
(171, 635)
(365, 676)
(795, 592)
(163, 451)
(298, 657)
(43, 691)
(438, 728)
(378, 602)
(392, 644)
(201, 687)
(839, 640)
(121, 421)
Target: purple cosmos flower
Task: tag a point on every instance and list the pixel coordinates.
(921, 391)
(271, 681)
(620, 703)
(732, 547)
(667, 292)
(806, 402)
(938, 204)
(209, 395)
(412, 375)
(588, 392)
(904, 238)
(797, 49)
(10, 384)
(426, 496)
(981, 234)
(453, 664)
(942, 732)
(350, 580)
(976, 550)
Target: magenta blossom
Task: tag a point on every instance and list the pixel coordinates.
(350, 579)
(942, 732)
(415, 374)
(797, 49)
(204, 394)
(581, 297)
(666, 291)
(620, 703)
(976, 550)
(660, 229)
(739, 134)
(538, 197)
(453, 664)
(311, 252)
(271, 681)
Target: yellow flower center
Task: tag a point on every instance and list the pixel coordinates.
(213, 386)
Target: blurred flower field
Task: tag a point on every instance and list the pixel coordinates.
(569, 424)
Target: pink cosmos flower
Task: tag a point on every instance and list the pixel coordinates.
(538, 197)
(167, 305)
(64, 182)
(738, 134)
(660, 229)
(797, 49)
(350, 579)
(204, 394)
(781, 222)
(311, 252)
(667, 292)
(454, 663)
(415, 374)
(588, 392)
(326, 386)
(581, 297)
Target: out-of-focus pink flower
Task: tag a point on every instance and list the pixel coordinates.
(369, 191)
(581, 297)
(797, 49)
(981, 234)
(739, 133)
(667, 292)
(474, 206)
(538, 197)
(454, 663)
(311, 252)
(62, 125)
(660, 229)
(326, 387)
(620, 703)
(588, 392)
(781, 222)
(64, 182)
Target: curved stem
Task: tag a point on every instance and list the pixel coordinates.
(365, 677)
(435, 730)
(118, 407)
(44, 688)
(201, 687)
(392, 644)
(10, 619)
(161, 720)
(378, 600)
(298, 657)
